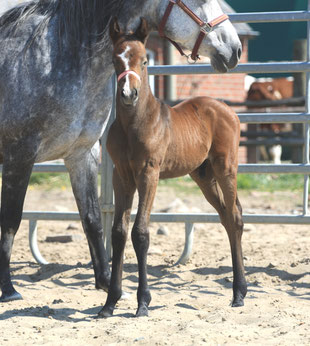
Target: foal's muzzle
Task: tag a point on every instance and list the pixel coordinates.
(129, 97)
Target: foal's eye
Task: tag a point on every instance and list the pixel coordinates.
(145, 63)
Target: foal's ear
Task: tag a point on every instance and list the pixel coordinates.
(115, 30)
(143, 31)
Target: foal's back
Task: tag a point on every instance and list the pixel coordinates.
(199, 128)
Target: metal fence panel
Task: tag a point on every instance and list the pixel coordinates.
(189, 219)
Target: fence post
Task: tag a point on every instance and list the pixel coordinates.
(106, 180)
(33, 243)
(306, 126)
(188, 247)
(170, 81)
(299, 54)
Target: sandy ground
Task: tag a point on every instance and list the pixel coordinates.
(190, 304)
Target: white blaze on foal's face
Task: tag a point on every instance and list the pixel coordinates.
(125, 58)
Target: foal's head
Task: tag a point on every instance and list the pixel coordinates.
(130, 60)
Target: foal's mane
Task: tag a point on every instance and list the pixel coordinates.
(81, 23)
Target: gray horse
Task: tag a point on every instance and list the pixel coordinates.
(56, 96)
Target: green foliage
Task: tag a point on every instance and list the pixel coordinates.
(261, 182)
(270, 182)
(181, 185)
(50, 180)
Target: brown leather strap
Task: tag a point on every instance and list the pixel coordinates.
(163, 22)
(177, 46)
(195, 55)
(162, 25)
(205, 27)
(218, 20)
(189, 12)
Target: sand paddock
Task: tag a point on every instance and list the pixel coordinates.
(190, 304)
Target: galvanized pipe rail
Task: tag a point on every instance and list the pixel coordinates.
(277, 141)
(270, 17)
(190, 219)
(177, 217)
(253, 67)
(243, 168)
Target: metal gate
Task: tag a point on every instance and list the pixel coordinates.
(190, 219)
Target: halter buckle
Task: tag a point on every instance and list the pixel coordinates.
(206, 28)
(190, 60)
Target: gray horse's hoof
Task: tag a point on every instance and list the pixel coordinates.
(237, 302)
(142, 311)
(106, 312)
(10, 297)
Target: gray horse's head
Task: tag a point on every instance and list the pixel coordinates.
(221, 45)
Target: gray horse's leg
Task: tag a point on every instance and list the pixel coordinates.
(18, 161)
(83, 170)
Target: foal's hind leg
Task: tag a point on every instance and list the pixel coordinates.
(208, 179)
(124, 192)
(17, 166)
(83, 169)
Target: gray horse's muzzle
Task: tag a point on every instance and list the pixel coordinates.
(225, 59)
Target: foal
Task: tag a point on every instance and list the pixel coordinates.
(149, 141)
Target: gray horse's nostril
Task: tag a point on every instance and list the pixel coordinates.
(123, 93)
(135, 92)
(239, 53)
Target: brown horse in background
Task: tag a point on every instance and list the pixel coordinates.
(149, 141)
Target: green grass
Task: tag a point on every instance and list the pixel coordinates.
(260, 182)
(181, 185)
(271, 182)
(50, 180)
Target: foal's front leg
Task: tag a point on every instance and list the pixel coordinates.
(124, 190)
(147, 182)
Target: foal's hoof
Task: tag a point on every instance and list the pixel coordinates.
(142, 311)
(106, 312)
(238, 294)
(10, 297)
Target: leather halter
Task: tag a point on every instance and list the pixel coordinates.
(205, 28)
(126, 72)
